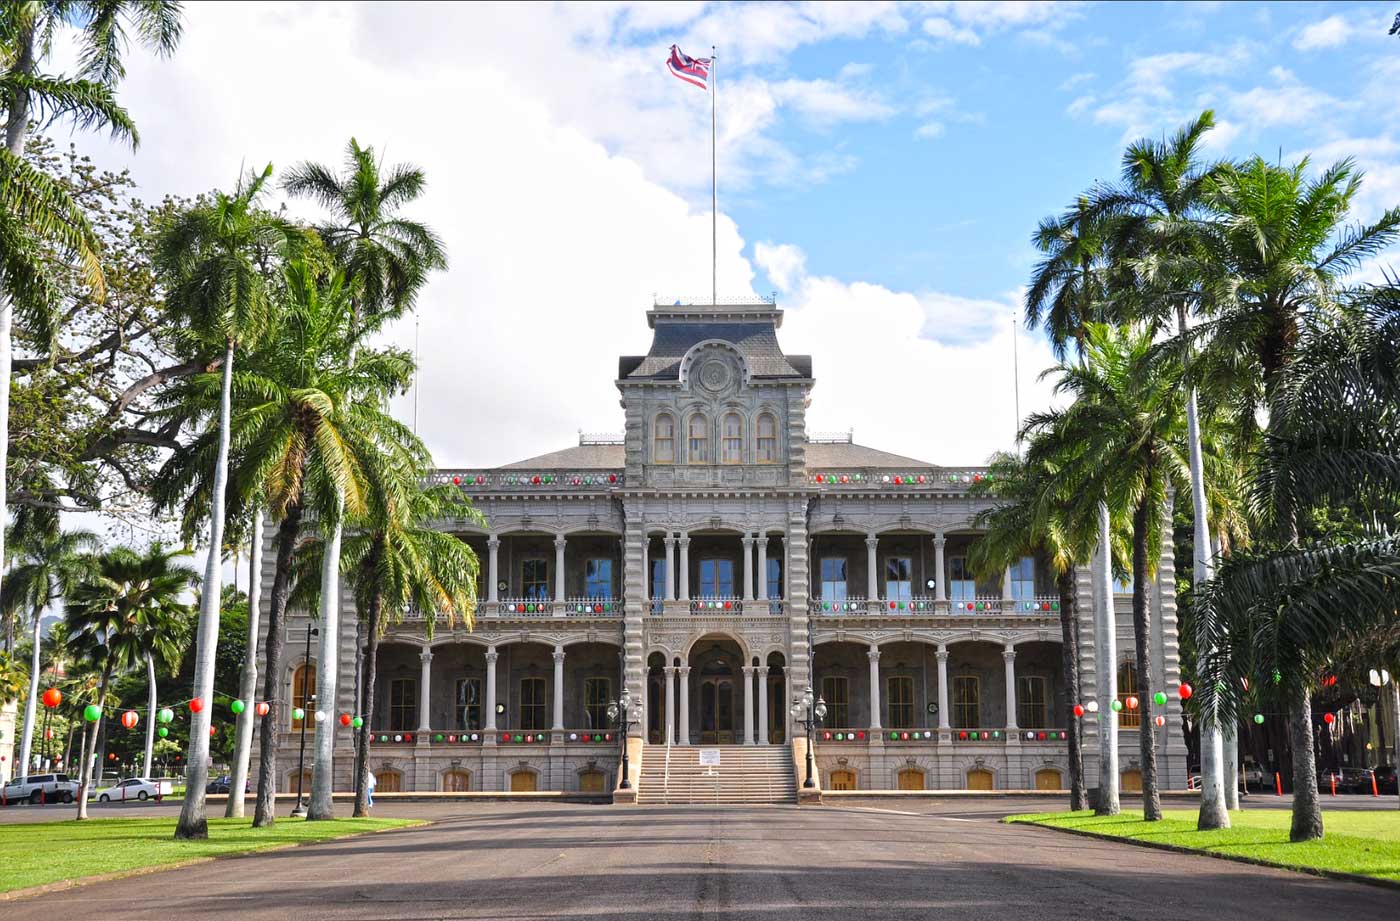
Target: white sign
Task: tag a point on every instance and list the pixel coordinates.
(709, 757)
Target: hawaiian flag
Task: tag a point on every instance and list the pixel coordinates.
(695, 71)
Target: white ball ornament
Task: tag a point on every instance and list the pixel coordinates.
(320, 716)
(1093, 706)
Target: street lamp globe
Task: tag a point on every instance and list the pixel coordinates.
(612, 711)
(821, 709)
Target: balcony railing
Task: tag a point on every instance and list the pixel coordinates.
(543, 607)
(529, 480)
(718, 604)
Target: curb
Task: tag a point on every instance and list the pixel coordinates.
(1235, 858)
(62, 884)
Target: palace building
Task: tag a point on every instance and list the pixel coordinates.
(717, 559)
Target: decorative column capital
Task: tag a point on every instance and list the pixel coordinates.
(684, 541)
(747, 540)
(669, 670)
(1009, 653)
(942, 653)
(761, 540)
(939, 541)
(871, 541)
(493, 541)
(491, 656)
(669, 540)
(683, 669)
(560, 541)
(874, 653)
(426, 656)
(748, 671)
(558, 653)
(763, 671)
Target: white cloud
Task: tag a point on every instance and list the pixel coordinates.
(940, 28)
(1288, 102)
(968, 22)
(825, 102)
(930, 130)
(1327, 33)
(1076, 80)
(784, 264)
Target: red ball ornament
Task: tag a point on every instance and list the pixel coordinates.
(612, 478)
(921, 478)
(1184, 692)
(129, 719)
(345, 719)
(1132, 703)
(1078, 709)
(456, 481)
(52, 698)
(212, 730)
(1329, 718)
(261, 708)
(819, 478)
(1160, 720)
(535, 481)
(196, 705)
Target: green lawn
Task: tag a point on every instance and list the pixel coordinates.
(1365, 843)
(48, 852)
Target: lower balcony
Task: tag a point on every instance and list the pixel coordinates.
(929, 736)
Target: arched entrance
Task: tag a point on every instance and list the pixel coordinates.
(656, 697)
(980, 779)
(911, 779)
(456, 781)
(717, 690)
(1047, 779)
(777, 699)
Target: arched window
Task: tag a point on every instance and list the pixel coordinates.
(699, 440)
(303, 689)
(732, 439)
(767, 445)
(1128, 687)
(664, 445)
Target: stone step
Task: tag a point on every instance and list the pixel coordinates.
(745, 774)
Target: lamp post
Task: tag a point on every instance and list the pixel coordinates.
(620, 713)
(809, 713)
(306, 698)
(1379, 679)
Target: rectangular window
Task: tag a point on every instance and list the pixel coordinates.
(1128, 687)
(716, 578)
(403, 704)
(967, 702)
(836, 693)
(732, 439)
(468, 706)
(699, 440)
(899, 578)
(665, 450)
(596, 692)
(775, 578)
(1031, 701)
(1023, 580)
(534, 578)
(962, 585)
(658, 579)
(533, 710)
(833, 578)
(899, 694)
(597, 578)
(767, 447)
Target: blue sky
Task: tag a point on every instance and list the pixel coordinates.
(882, 167)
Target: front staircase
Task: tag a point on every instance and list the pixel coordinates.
(745, 774)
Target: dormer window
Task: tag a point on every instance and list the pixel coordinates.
(732, 439)
(767, 444)
(699, 440)
(664, 444)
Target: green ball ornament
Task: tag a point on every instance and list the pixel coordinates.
(237, 706)
(1116, 706)
(162, 732)
(92, 713)
(298, 713)
(1160, 699)
(357, 722)
(166, 715)
(1259, 719)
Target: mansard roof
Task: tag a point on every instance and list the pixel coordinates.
(579, 457)
(750, 325)
(820, 455)
(849, 454)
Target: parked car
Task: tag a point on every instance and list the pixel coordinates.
(1354, 780)
(41, 788)
(137, 788)
(222, 783)
(1386, 781)
(1254, 778)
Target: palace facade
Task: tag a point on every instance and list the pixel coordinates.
(717, 559)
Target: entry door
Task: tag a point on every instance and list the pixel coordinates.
(717, 712)
(777, 714)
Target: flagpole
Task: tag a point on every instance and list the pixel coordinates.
(714, 187)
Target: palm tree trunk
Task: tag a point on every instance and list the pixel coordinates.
(248, 680)
(367, 709)
(1107, 630)
(1142, 642)
(193, 822)
(150, 712)
(1069, 665)
(327, 666)
(264, 812)
(1307, 809)
(90, 742)
(26, 747)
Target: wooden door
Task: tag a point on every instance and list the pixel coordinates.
(980, 779)
(388, 782)
(717, 712)
(305, 782)
(522, 782)
(842, 780)
(592, 782)
(456, 781)
(1048, 779)
(1130, 781)
(911, 779)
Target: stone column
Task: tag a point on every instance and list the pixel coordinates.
(872, 576)
(943, 714)
(940, 571)
(558, 687)
(684, 541)
(1010, 656)
(493, 572)
(683, 737)
(670, 543)
(762, 567)
(559, 568)
(491, 690)
(748, 567)
(763, 734)
(646, 569)
(748, 704)
(670, 723)
(874, 656)
(424, 682)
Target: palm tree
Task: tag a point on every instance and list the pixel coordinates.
(164, 635)
(110, 618)
(47, 565)
(36, 214)
(1120, 440)
(384, 259)
(1279, 252)
(248, 678)
(1072, 286)
(214, 258)
(1032, 519)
